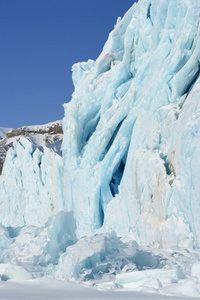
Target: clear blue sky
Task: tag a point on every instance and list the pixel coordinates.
(40, 41)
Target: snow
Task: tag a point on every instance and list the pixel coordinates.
(40, 135)
(46, 289)
(39, 139)
(118, 208)
(149, 278)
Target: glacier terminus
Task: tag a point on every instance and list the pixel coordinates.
(129, 171)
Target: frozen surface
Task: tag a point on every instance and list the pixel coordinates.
(46, 289)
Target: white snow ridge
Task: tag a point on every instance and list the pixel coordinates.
(117, 207)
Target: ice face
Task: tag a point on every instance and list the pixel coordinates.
(30, 185)
(131, 137)
(131, 130)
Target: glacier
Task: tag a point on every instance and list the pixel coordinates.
(28, 182)
(130, 146)
(127, 175)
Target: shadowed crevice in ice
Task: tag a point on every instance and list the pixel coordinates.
(111, 140)
(117, 176)
(90, 126)
(114, 136)
(13, 231)
(191, 80)
(166, 164)
(101, 211)
(149, 13)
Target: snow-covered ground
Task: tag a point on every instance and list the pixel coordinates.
(48, 289)
(40, 135)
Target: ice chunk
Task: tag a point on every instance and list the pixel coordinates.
(147, 278)
(144, 259)
(4, 238)
(35, 247)
(10, 271)
(92, 258)
(195, 272)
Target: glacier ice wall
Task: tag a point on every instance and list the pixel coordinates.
(30, 185)
(131, 137)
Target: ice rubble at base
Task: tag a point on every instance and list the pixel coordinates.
(103, 260)
(130, 164)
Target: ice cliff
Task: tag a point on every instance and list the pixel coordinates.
(33, 165)
(131, 131)
(131, 137)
